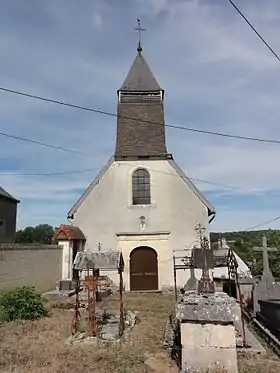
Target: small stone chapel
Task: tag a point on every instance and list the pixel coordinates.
(141, 202)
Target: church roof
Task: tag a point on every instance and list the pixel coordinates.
(211, 209)
(90, 187)
(5, 194)
(140, 77)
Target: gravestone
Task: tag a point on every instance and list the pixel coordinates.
(192, 281)
(207, 332)
(204, 259)
(266, 288)
(206, 320)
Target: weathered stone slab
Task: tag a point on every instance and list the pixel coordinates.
(218, 307)
(206, 360)
(104, 260)
(108, 329)
(208, 334)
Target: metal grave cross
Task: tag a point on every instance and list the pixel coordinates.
(204, 259)
(265, 250)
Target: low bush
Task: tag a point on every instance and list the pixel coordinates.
(21, 303)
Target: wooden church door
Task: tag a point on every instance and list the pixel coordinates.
(143, 269)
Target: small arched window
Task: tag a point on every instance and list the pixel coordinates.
(141, 189)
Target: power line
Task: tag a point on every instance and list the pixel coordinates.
(44, 144)
(48, 173)
(254, 29)
(129, 164)
(261, 224)
(198, 180)
(98, 111)
(168, 173)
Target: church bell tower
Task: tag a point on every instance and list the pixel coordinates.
(140, 123)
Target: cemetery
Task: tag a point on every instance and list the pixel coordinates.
(195, 328)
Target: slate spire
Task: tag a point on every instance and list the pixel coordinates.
(140, 127)
(140, 77)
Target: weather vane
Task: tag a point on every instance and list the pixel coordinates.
(139, 29)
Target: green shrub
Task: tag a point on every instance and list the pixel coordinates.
(21, 303)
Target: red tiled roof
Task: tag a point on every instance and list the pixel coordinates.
(70, 232)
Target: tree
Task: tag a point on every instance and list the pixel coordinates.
(42, 233)
(244, 241)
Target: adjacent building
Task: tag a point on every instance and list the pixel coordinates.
(8, 216)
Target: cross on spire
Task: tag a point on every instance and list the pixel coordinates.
(265, 250)
(138, 28)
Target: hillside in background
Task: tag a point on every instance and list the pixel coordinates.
(243, 242)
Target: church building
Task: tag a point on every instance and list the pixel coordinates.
(141, 202)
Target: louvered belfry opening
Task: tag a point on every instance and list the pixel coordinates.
(140, 125)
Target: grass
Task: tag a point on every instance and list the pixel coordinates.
(39, 346)
(259, 364)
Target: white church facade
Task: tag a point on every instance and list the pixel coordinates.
(141, 202)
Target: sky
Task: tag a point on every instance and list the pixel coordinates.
(217, 74)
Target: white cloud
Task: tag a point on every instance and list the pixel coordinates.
(97, 20)
(218, 76)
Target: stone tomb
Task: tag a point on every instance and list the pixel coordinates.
(208, 336)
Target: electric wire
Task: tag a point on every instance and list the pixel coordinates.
(240, 137)
(41, 143)
(103, 112)
(261, 224)
(254, 29)
(62, 173)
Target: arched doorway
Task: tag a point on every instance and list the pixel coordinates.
(143, 269)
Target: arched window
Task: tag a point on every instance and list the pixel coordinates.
(141, 190)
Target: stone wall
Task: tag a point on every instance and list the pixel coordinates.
(38, 265)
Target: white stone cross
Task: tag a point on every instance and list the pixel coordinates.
(265, 250)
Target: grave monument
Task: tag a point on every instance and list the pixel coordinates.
(267, 288)
(206, 320)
